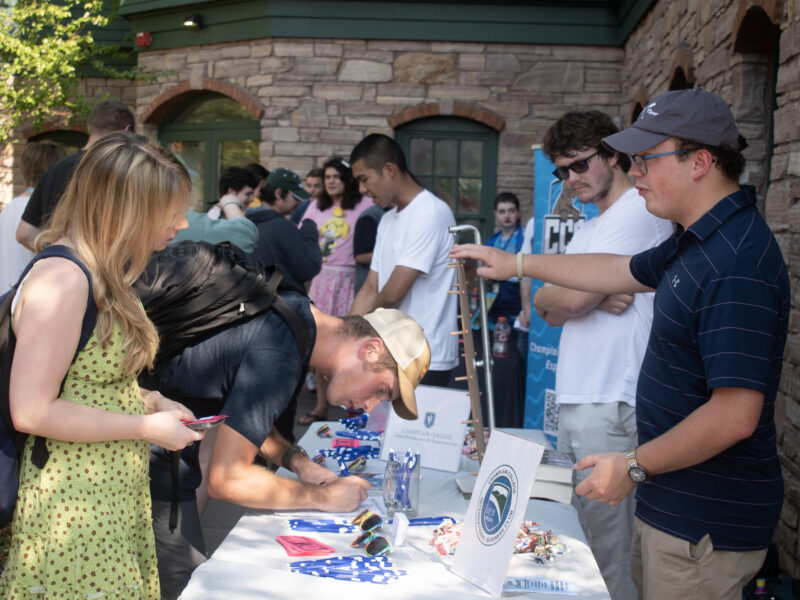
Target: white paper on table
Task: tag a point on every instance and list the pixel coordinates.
(438, 433)
(496, 510)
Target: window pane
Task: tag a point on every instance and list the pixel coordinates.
(214, 109)
(469, 196)
(471, 159)
(193, 156)
(421, 161)
(445, 189)
(238, 153)
(446, 157)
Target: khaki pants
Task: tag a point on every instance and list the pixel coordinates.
(665, 567)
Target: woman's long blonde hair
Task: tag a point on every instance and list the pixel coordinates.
(119, 200)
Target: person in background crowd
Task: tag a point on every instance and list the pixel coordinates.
(366, 231)
(106, 116)
(409, 264)
(312, 185)
(236, 182)
(36, 159)
(261, 174)
(82, 525)
(294, 251)
(604, 337)
(335, 213)
(706, 471)
(508, 239)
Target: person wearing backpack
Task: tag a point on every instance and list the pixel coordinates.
(248, 369)
(81, 525)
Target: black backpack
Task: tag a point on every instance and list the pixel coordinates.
(191, 290)
(12, 442)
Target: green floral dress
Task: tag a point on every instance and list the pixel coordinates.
(82, 526)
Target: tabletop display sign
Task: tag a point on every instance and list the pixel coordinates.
(496, 510)
(437, 435)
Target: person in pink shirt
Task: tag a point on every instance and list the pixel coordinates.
(335, 213)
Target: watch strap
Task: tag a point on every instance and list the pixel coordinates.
(286, 458)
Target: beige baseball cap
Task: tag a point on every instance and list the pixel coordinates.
(405, 340)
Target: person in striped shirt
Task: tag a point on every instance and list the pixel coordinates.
(706, 472)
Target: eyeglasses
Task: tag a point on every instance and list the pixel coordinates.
(641, 160)
(374, 545)
(579, 166)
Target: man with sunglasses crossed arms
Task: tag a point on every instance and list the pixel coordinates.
(604, 336)
(708, 480)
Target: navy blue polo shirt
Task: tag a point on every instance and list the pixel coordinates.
(720, 317)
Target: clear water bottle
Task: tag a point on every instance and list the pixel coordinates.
(501, 346)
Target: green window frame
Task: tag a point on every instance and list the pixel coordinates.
(456, 159)
(211, 131)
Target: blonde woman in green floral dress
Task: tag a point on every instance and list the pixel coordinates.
(82, 525)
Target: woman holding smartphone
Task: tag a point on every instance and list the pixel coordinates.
(81, 526)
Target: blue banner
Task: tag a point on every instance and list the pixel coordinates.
(556, 220)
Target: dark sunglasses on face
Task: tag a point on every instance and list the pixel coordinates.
(578, 166)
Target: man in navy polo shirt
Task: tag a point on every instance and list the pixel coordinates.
(708, 481)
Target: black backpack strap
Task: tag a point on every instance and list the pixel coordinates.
(294, 322)
(40, 454)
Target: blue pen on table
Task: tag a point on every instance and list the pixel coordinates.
(343, 472)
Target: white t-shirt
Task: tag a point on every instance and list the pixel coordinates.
(417, 237)
(14, 257)
(600, 354)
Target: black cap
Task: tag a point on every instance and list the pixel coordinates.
(693, 115)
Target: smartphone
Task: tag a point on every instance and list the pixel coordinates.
(206, 422)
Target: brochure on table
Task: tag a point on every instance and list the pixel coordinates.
(496, 510)
(438, 433)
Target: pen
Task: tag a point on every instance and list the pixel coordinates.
(343, 472)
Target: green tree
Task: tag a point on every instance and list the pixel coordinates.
(45, 46)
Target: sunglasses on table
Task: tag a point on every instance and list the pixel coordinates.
(578, 166)
(374, 545)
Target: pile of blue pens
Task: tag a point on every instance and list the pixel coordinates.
(402, 471)
(347, 453)
(353, 423)
(323, 525)
(371, 569)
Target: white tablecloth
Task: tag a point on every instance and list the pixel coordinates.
(251, 564)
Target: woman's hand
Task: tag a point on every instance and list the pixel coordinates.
(166, 429)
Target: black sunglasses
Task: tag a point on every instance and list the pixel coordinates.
(579, 166)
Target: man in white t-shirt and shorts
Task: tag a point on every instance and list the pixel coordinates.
(409, 263)
(604, 337)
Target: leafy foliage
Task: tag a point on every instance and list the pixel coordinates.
(44, 44)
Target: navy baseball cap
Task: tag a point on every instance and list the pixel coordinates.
(284, 179)
(694, 115)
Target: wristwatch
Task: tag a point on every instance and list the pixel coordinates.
(635, 472)
(286, 458)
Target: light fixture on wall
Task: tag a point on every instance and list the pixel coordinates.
(193, 23)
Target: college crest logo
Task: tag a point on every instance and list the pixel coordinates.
(430, 417)
(496, 505)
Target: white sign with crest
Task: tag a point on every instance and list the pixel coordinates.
(496, 510)
(438, 433)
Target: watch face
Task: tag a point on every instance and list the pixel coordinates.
(637, 474)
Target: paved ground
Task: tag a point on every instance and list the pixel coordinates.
(219, 517)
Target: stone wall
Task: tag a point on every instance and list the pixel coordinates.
(699, 37)
(320, 97)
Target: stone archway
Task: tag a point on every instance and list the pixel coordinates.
(170, 99)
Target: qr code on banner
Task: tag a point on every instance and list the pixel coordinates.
(550, 412)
